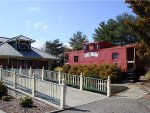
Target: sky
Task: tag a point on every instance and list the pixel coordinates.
(46, 20)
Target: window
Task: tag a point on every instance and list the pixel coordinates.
(23, 46)
(85, 47)
(95, 46)
(76, 58)
(115, 55)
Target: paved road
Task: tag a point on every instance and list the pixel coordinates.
(76, 97)
(113, 105)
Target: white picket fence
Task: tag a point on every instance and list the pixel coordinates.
(50, 91)
(78, 81)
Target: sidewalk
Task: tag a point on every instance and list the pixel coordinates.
(77, 97)
(134, 92)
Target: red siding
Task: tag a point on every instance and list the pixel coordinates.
(104, 56)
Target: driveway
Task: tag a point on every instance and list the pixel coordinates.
(129, 101)
(113, 105)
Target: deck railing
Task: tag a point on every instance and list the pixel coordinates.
(36, 87)
(78, 81)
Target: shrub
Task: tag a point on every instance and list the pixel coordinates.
(3, 89)
(26, 101)
(66, 68)
(147, 75)
(6, 98)
(97, 71)
(58, 68)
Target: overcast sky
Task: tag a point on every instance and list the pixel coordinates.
(46, 20)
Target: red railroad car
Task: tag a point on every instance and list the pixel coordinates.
(105, 53)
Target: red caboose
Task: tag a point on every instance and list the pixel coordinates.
(105, 53)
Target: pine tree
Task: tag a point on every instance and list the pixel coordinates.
(56, 49)
(77, 40)
(116, 31)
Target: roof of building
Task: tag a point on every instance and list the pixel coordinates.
(3, 39)
(23, 38)
(7, 50)
(20, 37)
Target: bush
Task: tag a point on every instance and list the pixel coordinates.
(97, 71)
(3, 89)
(66, 68)
(26, 101)
(6, 98)
(106, 70)
(58, 68)
(147, 75)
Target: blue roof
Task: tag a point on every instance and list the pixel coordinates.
(7, 50)
(3, 39)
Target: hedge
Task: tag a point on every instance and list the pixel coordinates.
(101, 71)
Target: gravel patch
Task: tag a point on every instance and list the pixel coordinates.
(13, 106)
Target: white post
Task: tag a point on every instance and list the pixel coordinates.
(14, 79)
(33, 85)
(12, 69)
(81, 81)
(59, 77)
(63, 94)
(30, 72)
(108, 87)
(0, 73)
(20, 70)
(43, 73)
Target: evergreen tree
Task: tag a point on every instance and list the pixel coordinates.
(116, 31)
(56, 49)
(77, 40)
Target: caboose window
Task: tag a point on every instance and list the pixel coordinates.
(114, 55)
(85, 47)
(95, 46)
(76, 58)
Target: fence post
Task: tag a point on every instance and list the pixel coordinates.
(0, 73)
(12, 70)
(108, 87)
(59, 77)
(14, 79)
(33, 85)
(81, 81)
(30, 72)
(20, 70)
(43, 73)
(63, 94)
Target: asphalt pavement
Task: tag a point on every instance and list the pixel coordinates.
(113, 105)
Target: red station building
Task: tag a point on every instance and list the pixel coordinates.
(104, 53)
